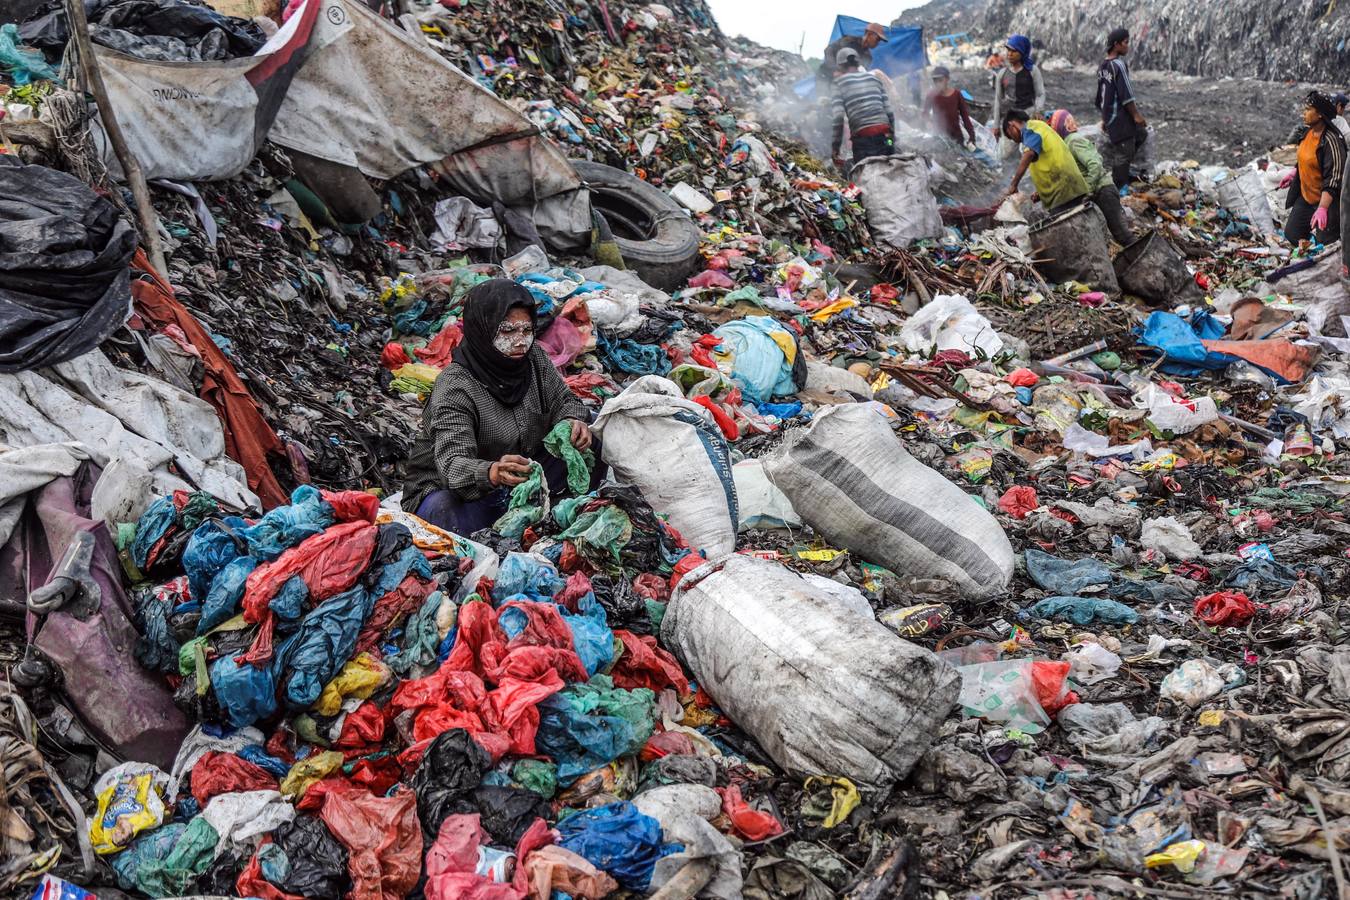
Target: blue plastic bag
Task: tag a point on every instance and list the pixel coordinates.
(619, 839)
(1081, 611)
(523, 576)
(152, 525)
(227, 592)
(212, 546)
(245, 692)
(1180, 344)
(1062, 576)
(759, 365)
(286, 526)
(631, 357)
(320, 646)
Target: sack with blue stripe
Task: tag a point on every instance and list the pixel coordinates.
(671, 450)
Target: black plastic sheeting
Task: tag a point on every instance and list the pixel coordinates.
(64, 252)
(167, 30)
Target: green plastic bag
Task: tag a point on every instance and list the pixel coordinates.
(536, 775)
(524, 509)
(600, 535)
(558, 442)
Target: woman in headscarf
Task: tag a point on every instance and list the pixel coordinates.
(1101, 188)
(1315, 189)
(488, 414)
(1018, 85)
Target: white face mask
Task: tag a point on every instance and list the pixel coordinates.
(513, 343)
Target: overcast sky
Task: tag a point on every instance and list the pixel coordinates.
(781, 23)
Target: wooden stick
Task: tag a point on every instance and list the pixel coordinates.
(131, 167)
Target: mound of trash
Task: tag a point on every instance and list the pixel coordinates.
(922, 563)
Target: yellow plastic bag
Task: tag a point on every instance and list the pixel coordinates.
(130, 801)
(311, 769)
(1182, 855)
(359, 678)
(845, 796)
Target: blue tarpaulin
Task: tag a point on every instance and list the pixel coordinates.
(902, 52)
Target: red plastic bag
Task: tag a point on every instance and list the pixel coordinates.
(644, 663)
(1019, 501)
(224, 773)
(352, 506)
(1225, 609)
(748, 823)
(251, 882)
(362, 727)
(328, 563)
(667, 743)
(1022, 378)
(711, 278)
(729, 429)
(393, 356)
(1048, 678)
(439, 349)
(683, 568)
(382, 836)
(578, 586)
(652, 587)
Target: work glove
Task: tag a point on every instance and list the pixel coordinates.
(1319, 219)
(1288, 179)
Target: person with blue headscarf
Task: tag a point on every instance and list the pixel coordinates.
(1018, 85)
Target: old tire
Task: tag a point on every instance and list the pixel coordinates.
(657, 239)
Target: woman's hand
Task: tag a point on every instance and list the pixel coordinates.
(509, 471)
(581, 435)
(1319, 219)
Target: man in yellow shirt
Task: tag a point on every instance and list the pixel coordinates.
(1054, 171)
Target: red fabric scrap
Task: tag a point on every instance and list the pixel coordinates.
(249, 440)
(224, 773)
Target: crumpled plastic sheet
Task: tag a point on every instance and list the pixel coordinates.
(619, 839)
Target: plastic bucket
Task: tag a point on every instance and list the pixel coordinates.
(1244, 194)
(1153, 269)
(1072, 246)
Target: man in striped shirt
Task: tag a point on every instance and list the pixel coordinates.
(860, 99)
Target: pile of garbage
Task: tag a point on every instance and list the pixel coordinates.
(922, 564)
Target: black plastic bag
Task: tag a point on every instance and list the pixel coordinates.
(318, 860)
(451, 768)
(64, 283)
(506, 812)
(624, 607)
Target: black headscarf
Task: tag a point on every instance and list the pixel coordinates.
(486, 307)
(1322, 104)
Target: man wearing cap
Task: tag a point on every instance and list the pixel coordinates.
(948, 106)
(860, 99)
(1122, 122)
(863, 44)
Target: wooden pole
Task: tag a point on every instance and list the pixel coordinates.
(131, 167)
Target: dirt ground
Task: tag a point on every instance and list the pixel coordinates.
(1223, 122)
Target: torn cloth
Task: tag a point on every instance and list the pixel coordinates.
(248, 438)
